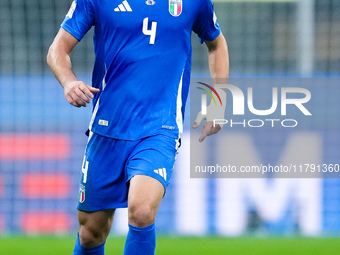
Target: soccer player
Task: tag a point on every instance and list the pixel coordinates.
(139, 88)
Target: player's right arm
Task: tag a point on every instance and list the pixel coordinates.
(76, 92)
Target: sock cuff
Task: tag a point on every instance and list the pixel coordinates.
(140, 240)
(147, 228)
(94, 249)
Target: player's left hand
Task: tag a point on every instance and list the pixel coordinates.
(214, 112)
(208, 129)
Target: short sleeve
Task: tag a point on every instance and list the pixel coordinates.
(206, 25)
(79, 19)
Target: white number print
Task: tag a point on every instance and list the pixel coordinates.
(84, 169)
(152, 32)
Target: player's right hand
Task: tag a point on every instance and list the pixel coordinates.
(78, 93)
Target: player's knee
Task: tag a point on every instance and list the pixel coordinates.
(94, 227)
(141, 215)
(87, 238)
(92, 233)
(91, 237)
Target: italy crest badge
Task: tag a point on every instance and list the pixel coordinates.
(175, 7)
(82, 193)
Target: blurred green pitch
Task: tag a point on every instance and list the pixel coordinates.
(42, 245)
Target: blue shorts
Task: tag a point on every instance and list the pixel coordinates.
(109, 164)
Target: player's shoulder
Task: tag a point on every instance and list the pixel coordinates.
(204, 4)
(83, 2)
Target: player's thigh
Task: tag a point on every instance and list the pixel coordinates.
(103, 183)
(145, 196)
(96, 223)
(149, 170)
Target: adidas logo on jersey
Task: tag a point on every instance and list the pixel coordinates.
(161, 172)
(123, 7)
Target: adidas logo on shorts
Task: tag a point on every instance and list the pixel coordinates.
(161, 172)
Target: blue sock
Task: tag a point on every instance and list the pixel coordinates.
(80, 250)
(140, 241)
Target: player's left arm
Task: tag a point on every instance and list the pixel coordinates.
(218, 58)
(219, 69)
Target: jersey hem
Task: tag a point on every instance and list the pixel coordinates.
(123, 138)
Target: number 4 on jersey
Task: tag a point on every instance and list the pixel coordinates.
(152, 32)
(84, 169)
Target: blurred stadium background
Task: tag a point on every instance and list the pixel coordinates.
(42, 137)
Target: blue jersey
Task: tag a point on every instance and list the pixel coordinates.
(143, 61)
